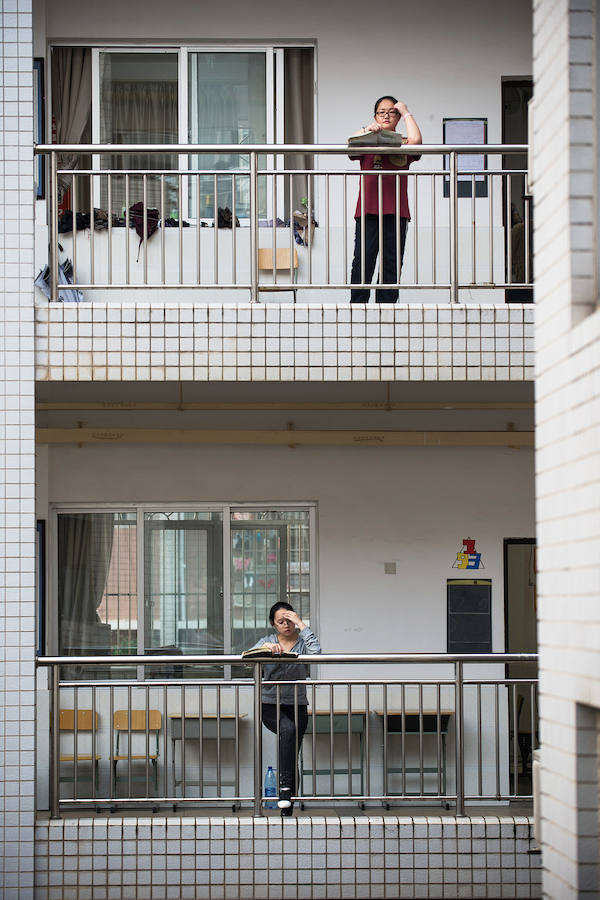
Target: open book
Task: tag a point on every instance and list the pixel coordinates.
(374, 139)
(380, 139)
(265, 653)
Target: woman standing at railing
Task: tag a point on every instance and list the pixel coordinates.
(291, 635)
(388, 112)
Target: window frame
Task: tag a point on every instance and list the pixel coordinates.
(274, 92)
(140, 509)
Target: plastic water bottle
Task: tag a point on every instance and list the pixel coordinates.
(270, 788)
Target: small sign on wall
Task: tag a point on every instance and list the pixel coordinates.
(468, 557)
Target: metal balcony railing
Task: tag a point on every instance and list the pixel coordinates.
(436, 728)
(470, 229)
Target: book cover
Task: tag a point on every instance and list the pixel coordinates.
(265, 653)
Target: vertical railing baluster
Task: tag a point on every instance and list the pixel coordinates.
(127, 247)
(76, 743)
(421, 757)
(309, 227)
(233, 230)
(367, 755)
(53, 227)
(55, 745)
(198, 231)
(331, 748)
(515, 746)
(497, 736)
(381, 278)
(313, 751)
(219, 762)
(253, 227)
(236, 729)
(479, 743)
(527, 215)
(491, 226)
(433, 233)
(165, 702)
(92, 234)
(145, 225)
(112, 761)
(460, 762)
(403, 734)
(473, 233)
(508, 212)
(201, 740)
(94, 760)
(349, 736)
(109, 232)
(453, 227)
(398, 230)
(257, 739)
(328, 233)
(183, 739)
(74, 204)
(179, 224)
(438, 726)
(385, 742)
(415, 181)
(163, 235)
(129, 739)
(345, 224)
(147, 738)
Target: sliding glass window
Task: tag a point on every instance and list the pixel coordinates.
(177, 581)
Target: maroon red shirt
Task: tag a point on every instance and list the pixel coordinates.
(379, 162)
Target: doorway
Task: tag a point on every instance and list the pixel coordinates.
(517, 210)
(521, 637)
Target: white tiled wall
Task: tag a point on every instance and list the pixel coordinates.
(568, 416)
(17, 532)
(101, 342)
(312, 858)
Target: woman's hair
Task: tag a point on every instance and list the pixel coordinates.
(385, 97)
(281, 604)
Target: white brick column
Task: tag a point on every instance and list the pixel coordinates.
(17, 466)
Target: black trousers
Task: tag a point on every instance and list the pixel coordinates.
(388, 256)
(288, 761)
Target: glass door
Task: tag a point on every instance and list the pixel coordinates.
(183, 583)
(258, 578)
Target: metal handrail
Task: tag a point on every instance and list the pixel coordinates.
(229, 659)
(457, 680)
(258, 156)
(278, 149)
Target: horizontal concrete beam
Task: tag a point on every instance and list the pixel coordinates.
(342, 405)
(283, 437)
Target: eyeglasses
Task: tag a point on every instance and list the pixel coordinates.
(387, 112)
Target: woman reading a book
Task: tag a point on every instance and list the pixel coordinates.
(395, 216)
(291, 635)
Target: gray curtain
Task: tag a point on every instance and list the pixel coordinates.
(71, 98)
(84, 550)
(299, 115)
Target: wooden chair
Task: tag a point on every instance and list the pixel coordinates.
(127, 726)
(283, 257)
(87, 723)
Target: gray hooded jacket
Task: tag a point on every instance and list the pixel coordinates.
(306, 642)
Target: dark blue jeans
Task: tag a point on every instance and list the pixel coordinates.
(288, 761)
(390, 275)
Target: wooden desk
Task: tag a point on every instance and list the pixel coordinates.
(189, 730)
(342, 723)
(416, 723)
